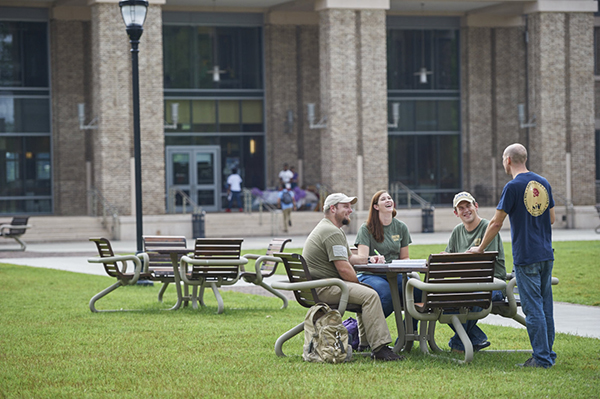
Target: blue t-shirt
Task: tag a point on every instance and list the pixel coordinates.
(527, 199)
(284, 205)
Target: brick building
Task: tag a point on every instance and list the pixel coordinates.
(241, 73)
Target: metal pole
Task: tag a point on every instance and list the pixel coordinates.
(137, 150)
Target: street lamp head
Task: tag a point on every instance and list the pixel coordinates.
(134, 15)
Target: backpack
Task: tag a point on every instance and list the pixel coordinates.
(286, 197)
(325, 337)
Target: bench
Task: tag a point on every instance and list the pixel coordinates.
(215, 262)
(264, 268)
(304, 289)
(454, 285)
(148, 265)
(17, 227)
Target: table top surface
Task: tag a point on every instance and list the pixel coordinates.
(399, 266)
(170, 250)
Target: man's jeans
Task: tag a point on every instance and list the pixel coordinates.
(535, 290)
(380, 284)
(476, 334)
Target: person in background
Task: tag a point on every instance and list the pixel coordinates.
(234, 190)
(527, 200)
(294, 179)
(465, 235)
(287, 202)
(285, 176)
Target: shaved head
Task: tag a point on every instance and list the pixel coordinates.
(517, 153)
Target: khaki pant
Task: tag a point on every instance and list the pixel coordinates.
(372, 327)
(287, 216)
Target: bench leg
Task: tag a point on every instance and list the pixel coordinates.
(286, 336)
(102, 294)
(464, 339)
(215, 289)
(276, 293)
(22, 245)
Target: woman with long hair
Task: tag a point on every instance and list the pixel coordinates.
(388, 237)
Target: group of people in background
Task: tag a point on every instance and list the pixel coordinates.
(528, 202)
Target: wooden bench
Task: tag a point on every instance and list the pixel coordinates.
(264, 268)
(454, 285)
(17, 227)
(215, 262)
(304, 289)
(148, 265)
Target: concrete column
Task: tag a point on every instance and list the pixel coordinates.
(562, 97)
(112, 104)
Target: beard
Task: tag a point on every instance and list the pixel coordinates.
(345, 221)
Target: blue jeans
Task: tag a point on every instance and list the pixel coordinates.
(476, 334)
(535, 290)
(237, 197)
(380, 284)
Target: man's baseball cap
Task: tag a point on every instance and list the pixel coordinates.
(338, 198)
(462, 196)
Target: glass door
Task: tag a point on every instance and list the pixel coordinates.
(192, 171)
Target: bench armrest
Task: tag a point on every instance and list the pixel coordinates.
(326, 282)
(7, 227)
(123, 260)
(258, 264)
(186, 260)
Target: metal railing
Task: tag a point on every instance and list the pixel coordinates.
(274, 212)
(398, 188)
(99, 206)
(186, 202)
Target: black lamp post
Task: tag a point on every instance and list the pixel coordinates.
(134, 15)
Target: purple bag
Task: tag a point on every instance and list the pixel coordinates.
(352, 327)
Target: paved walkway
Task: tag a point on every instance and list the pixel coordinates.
(571, 319)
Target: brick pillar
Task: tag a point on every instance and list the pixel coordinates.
(562, 98)
(68, 51)
(112, 104)
(352, 60)
(372, 95)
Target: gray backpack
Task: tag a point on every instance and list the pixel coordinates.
(325, 337)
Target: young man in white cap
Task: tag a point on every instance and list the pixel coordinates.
(465, 235)
(328, 255)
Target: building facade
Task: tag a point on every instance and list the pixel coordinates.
(423, 93)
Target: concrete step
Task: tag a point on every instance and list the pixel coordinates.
(64, 228)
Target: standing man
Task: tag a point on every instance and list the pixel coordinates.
(328, 255)
(464, 236)
(527, 200)
(285, 176)
(287, 202)
(234, 190)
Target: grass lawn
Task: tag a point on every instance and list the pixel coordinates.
(51, 345)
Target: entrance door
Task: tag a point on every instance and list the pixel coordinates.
(194, 170)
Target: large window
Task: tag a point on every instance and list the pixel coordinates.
(423, 78)
(215, 76)
(25, 162)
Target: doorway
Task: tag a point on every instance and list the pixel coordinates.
(194, 170)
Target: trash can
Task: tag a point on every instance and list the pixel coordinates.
(198, 219)
(427, 223)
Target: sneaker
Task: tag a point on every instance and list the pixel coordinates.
(480, 346)
(227, 210)
(531, 362)
(241, 209)
(386, 354)
(290, 222)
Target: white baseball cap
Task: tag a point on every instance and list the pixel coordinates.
(462, 196)
(338, 198)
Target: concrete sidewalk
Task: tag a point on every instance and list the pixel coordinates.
(571, 319)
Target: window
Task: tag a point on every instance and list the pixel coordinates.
(424, 151)
(25, 159)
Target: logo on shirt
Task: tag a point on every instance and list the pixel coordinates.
(396, 237)
(536, 198)
(477, 241)
(340, 250)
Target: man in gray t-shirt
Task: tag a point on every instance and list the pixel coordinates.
(328, 255)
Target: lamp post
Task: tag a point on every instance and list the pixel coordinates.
(134, 15)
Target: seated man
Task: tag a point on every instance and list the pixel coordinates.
(464, 236)
(328, 255)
